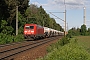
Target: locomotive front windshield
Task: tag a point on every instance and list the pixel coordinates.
(29, 27)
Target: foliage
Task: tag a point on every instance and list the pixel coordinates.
(83, 30)
(88, 31)
(64, 41)
(6, 39)
(18, 38)
(74, 31)
(79, 31)
(6, 29)
(69, 35)
(84, 41)
(39, 16)
(3, 10)
(8, 10)
(26, 14)
(68, 52)
(61, 42)
(71, 51)
(22, 21)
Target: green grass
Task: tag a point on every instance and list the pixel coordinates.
(84, 41)
(69, 51)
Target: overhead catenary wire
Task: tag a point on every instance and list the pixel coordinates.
(53, 12)
(56, 16)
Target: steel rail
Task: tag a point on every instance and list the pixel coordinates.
(11, 52)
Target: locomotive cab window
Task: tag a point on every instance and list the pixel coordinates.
(31, 27)
(27, 27)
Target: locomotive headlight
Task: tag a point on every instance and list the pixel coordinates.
(25, 31)
(32, 31)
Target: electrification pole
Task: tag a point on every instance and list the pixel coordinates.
(67, 28)
(65, 17)
(84, 17)
(16, 20)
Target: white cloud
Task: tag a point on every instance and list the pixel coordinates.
(59, 4)
(69, 3)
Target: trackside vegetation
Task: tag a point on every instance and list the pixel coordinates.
(84, 41)
(66, 49)
(75, 46)
(82, 31)
(6, 39)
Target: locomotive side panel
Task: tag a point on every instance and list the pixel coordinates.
(40, 31)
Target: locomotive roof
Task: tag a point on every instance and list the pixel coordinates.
(33, 24)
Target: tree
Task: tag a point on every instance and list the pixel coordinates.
(3, 10)
(83, 30)
(88, 31)
(39, 16)
(74, 31)
(23, 4)
(8, 30)
(8, 10)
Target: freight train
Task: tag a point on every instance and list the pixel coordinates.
(34, 31)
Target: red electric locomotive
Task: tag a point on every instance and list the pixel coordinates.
(33, 31)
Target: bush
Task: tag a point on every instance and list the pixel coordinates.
(71, 51)
(53, 47)
(69, 35)
(2, 37)
(6, 39)
(66, 49)
(58, 44)
(63, 41)
(18, 38)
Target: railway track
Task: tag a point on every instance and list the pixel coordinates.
(14, 50)
(11, 44)
(16, 43)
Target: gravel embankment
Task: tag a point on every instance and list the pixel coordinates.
(34, 53)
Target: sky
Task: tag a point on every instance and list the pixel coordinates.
(74, 11)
